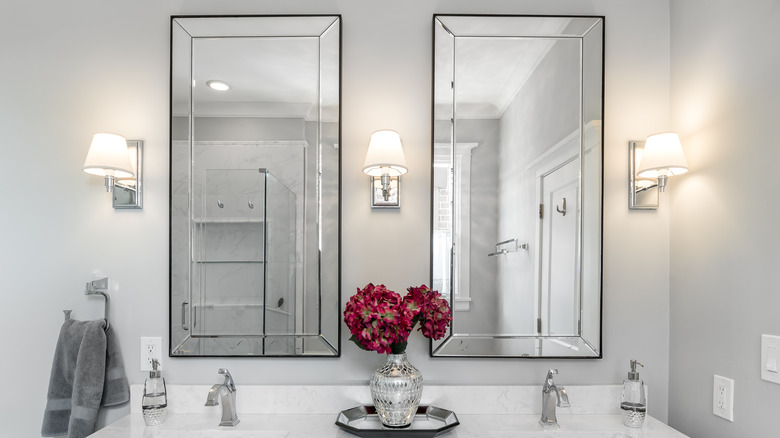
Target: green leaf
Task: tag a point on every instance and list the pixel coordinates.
(398, 347)
(354, 339)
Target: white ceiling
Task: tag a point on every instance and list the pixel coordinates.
(489, 70)
(279, 76)
(268, 76)
(277, 66)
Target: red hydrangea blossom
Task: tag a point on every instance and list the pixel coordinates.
(434, 311)
(380, 320)
(377, 318)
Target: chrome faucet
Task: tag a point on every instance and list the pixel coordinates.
(227, 391)
(549, 390)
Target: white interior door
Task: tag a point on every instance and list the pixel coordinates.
(559, 301)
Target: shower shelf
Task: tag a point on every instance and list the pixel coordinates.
(228, 220)
(229, 261)
(240, 306)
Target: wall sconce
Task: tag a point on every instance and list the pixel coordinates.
(119, 161)
(651, 163)
(385, 163)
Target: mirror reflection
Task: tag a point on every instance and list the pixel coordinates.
(517, 156)
(255, 186)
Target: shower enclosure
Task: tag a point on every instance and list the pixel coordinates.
(243, 261)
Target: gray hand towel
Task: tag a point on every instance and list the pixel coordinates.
(87, 372)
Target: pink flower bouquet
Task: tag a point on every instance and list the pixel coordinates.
(380, 320)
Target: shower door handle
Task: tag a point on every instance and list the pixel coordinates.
(184, 315)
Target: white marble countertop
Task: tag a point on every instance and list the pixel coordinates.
(324, 426)
(311, 412)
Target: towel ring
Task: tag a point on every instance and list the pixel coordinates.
(98, 287)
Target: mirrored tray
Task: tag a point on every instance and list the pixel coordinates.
(429, 421)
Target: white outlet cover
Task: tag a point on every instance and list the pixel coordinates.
(723, 397)
(151, 348)
(770, 358)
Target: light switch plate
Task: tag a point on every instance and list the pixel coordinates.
(723, 397)
(770, 358)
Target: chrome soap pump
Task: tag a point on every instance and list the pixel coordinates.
(633, 401)
(154, 403)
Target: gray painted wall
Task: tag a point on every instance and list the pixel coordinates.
(103, 66)
(724, 239)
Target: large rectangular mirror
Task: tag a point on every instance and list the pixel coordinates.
(517, 184)
(255, 132)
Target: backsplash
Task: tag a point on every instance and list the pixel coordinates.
(252, 399)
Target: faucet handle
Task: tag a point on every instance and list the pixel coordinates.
(548, 381)
(228, 379)
(563, 398)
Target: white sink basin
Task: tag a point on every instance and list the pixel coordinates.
(571, 426)
(559, 433)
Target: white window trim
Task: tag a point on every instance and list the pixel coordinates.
(461, 200)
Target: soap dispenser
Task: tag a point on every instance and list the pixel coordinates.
(633, 401)
(155, 400)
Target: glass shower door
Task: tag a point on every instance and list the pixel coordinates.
(243, 273)
(228, 276)
(281, 292)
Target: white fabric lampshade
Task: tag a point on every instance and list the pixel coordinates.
(108, 154)
(385, 155)
(663, 155)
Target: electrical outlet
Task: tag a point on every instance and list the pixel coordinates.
(151, 348)
(723, 397)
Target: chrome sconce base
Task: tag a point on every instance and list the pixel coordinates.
(127, 193)
(643, 193)
(385, 191)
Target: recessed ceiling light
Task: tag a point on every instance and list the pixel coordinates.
(218, 85)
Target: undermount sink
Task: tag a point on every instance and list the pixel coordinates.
(579, 426)
(556, 433)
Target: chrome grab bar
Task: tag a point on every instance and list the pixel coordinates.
(501, 251)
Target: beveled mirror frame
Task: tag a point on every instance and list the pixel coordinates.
(589, 136)
(321, 254)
